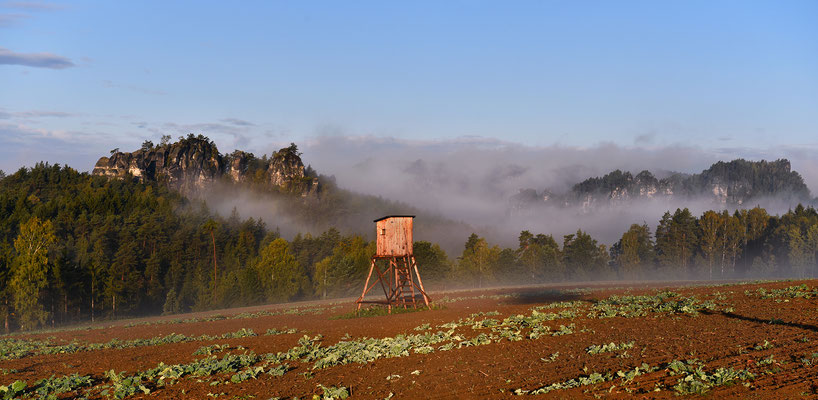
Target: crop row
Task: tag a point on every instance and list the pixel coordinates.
(46, 389)
(11, 348)
(693, 379)
(782, 295)
(365, 350)
(248, 366)
(609, 347)
(629, 306)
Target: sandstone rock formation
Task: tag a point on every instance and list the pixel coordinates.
(194, 162)
(724, 184)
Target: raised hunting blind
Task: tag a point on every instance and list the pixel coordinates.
(395, 266)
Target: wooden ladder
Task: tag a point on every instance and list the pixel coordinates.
(404, 288)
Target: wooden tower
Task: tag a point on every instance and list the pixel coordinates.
(395, 266)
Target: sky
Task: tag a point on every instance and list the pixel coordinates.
(715, 79)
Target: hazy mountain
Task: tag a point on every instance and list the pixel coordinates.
(730, 184)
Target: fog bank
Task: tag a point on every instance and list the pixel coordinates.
(472, 179)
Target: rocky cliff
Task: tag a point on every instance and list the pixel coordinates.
(733, 183)
(194, 162)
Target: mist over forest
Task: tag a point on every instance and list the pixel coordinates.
(180, 226)
(475, 180)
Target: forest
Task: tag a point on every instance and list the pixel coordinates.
(77, 247)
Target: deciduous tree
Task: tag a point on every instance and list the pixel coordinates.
(280, 274)
(478, 260)
(30, 270)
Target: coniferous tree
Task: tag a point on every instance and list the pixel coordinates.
(5, 292)
(344, 270)
(584, 258)
(797, 251)
(171, 305)
(711, 232)
(811, 248)
(210, 226)
(97, 266)
(540, 257)
(676, 240)
(633, 253)
(123, 285)
(432, 261)
(507, 267)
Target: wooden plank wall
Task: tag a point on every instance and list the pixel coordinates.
(394, 236)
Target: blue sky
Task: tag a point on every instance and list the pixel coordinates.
(730, 78)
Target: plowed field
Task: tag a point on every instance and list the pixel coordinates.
(660, 340)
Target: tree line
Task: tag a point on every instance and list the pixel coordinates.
(76, 247)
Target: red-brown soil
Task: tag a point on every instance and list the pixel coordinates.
(715, 338)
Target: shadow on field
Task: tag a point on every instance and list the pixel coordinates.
(534, 296)
(773, 321)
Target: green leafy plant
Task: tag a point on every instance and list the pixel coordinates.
(13, 390)
(284, 331)
(332, 393)
(763, 346)
(609, 347)
(125, 386)
(245, 374)
(590, 379)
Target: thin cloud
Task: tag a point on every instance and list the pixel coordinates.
(37, 60)
(749, 152)
(23, 133)
(238, 134)
(133, 88)
(14, 133)
(21, 145)
(645, 139)
(35, 114)
(238, 122)
(32, 5)
(7, 20)
(42, 114)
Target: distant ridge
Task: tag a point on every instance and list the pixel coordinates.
(733, 183)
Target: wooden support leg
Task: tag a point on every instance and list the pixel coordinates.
(366, 285)
(408, 264)
(400, 279)
(420, 282)
(395, 300)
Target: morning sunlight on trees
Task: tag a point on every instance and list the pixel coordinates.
(30, 269)
(115, 248)
(279, 272)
